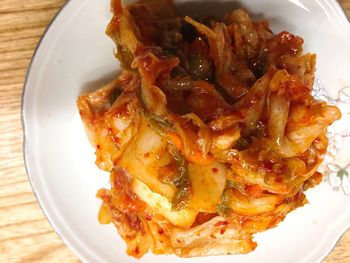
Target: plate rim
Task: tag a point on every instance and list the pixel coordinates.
(69, 243)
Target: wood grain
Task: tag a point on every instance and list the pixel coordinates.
(25, 234)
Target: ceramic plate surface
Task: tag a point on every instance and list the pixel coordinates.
(76, 56)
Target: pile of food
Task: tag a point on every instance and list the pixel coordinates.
(210, 132)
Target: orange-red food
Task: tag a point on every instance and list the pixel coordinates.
(210, 132)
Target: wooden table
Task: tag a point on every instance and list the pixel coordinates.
(25, 234)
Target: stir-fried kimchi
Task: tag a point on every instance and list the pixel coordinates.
(210, 132)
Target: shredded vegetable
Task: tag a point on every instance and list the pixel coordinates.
(210, 132)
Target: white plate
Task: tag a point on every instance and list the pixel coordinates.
(75, 52)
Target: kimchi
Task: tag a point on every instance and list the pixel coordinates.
(209, 132)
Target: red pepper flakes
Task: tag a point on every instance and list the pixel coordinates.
(221, 223)
(137, 250)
